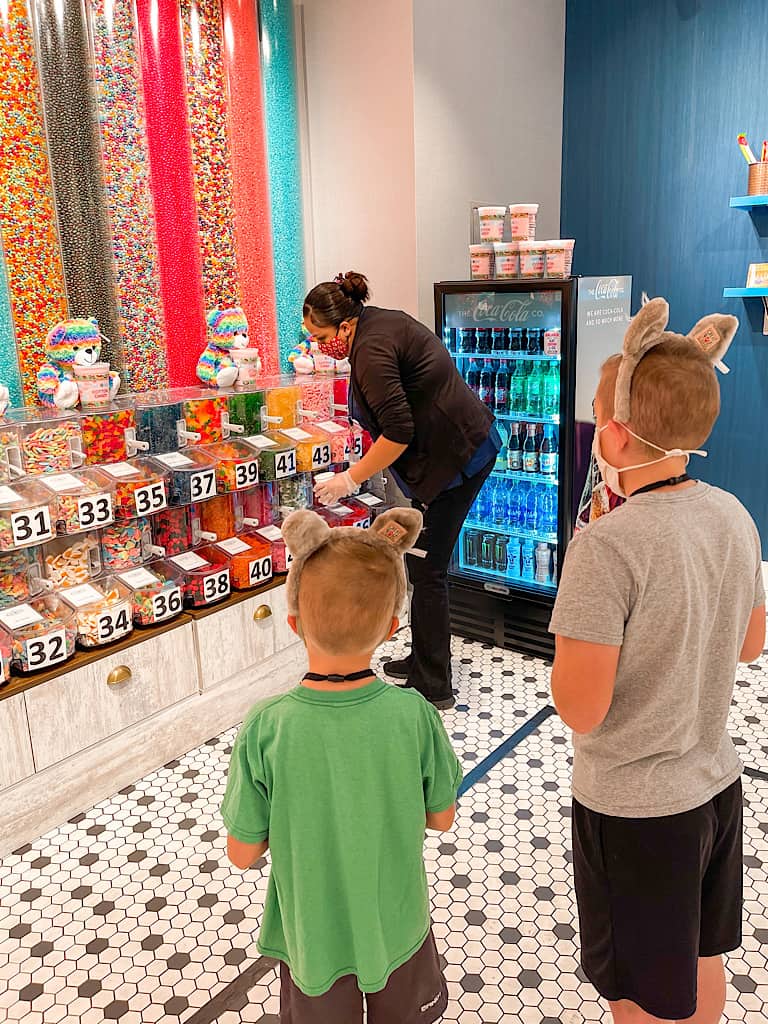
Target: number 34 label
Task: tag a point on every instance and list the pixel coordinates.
(114, 623)
(46, 650)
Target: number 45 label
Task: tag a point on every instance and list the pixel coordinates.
(260, 571)
(46, 650)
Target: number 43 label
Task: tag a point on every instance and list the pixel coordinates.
(46, 650)
(114, 623)
(321, 456)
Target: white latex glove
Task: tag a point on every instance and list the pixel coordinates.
(226, 376)
(66, 395)
(336, 487)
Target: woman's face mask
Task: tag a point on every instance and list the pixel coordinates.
(612, 474)
(336, 346)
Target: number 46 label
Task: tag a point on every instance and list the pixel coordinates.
(114, 623)
(46, 650)
(260, 571)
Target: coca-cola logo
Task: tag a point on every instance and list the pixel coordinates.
(608, 288)
(514, 310)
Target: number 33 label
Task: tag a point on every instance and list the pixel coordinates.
(46, 650)
(95, 511)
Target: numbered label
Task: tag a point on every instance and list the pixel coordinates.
(114, 623)
(166, 603)
(288, 558)
(362, 524)
(94, 512)
(46, 650)
(202, 485)
(285, 464)
(150, 499)
(31, 527)
(246, 474)
(358, 446)
(321, 456)
(216, 586)
(260, 571)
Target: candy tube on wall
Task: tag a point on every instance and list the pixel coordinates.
(9, 361)
(27, 217)
(253, 236)
(210, 150)
(170, 163)
(126, 176)
(61, 40)
(284, 159)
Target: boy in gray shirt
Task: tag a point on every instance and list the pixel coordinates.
(658, 602)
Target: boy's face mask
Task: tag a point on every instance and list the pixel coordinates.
(612, 474)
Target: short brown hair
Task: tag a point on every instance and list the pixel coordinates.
(347, 597)
(675, 394)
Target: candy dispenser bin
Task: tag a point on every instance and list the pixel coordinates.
(109, 434)
(219, 518)
(345, 515)
(204, 582)
(277, 455)
(341, 393)
(42, 631)
(205, 415)
(248, 556)
(141, 487)
(259, 504)
(313, 448)
(26, 515)
(293, 494)
(11, 464)
(156, 592)
(5, 656)
(372, 503)
(281, 556)
(237, 465)
(68, 561)
(282, 406)
(125, 545)
(192, 475)
(51, 440)
(21, 575)
(173, 531)
(83, 500)
(339, 435)
(244, 408)
(103, 611)
(160, 422)
(316, 396)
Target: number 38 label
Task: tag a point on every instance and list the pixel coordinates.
(46, 650)
(151, 498)
(95, 511)
(260, 571)
(216, 586)
(114, 623)
(31, 527)
(166, 603)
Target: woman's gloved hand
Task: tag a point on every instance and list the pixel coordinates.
(335, 486)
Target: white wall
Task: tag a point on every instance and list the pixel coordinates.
(489, 118)
(360, 143)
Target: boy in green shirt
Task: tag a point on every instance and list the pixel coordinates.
(338, 778)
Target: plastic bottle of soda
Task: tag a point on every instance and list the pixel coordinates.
(530, 451)
(500, 554)
(500, 339)
(533, 341)
(501, 392)
(514, 449)
(473, 376)
(550, 390)
(548, 457)
(483, 340)
(517, 390)
(522, 341)
(486, 392)
(467, 339)
(534, 390)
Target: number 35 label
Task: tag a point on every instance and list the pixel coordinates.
(31, 527)
(46, 650)
(151, 498)
(216, 586)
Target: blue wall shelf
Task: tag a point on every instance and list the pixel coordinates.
(745, 293)
(748, 202)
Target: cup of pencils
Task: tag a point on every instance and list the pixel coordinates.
(758, 169)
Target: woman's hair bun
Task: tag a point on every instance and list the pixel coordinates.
(354, 285)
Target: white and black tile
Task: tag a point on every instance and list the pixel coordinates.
(130, 912)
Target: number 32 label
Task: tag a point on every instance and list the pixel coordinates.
(46, 650)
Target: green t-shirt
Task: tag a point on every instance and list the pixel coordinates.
(340, 782)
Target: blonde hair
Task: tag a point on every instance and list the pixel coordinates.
(347, 597)
(675, 394)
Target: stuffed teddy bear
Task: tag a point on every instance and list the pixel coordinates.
(305, 357)
(227, 330)
(70, 343)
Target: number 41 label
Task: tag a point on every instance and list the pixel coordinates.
(260, 571)
(46, 650)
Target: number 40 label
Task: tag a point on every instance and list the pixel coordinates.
(260, 571)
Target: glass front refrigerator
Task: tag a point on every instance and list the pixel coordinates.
(514, 345)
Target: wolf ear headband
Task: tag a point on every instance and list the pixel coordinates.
(713, 334)
(393, 532)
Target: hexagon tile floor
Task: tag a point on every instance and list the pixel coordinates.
(130, 912)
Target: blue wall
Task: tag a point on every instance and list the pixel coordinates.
(655, 93)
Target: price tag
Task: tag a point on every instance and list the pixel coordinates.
(362, 524)
(260, 571)
(190, 560)
(114, 623)
(234, 546)
(321, 456)
(285, 464)
(175, 460)
(150, 498)
(270, 533)
(46, 650)
(216, 586)
(94, 511)
(260, 441)
(31, 527)
(63, 482)
(137, 578)
(21, 615)
(120, 470)
(83, 595)
(246, 474)
(369, 499)
(166, 603)
(202, 485)
(296, 434)
(8, 496)
(330, 427)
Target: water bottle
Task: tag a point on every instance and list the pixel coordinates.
(532, 509)
(482, 504)
(514, 508)
(513, 557)
(547, 510)
(528, 561)
(543, 556)
(499, 505)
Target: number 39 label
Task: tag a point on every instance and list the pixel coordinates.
(151, 498)
(46, 650)
(260, 571)
(114, 623)
(95, 511)
(166, 603)
(216, 586)
(246, 474)
(31, 527)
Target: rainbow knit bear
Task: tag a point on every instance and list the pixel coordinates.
(227, 329)
(70, 343)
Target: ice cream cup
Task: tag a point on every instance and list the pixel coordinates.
(531, 259)
(93, 385)
(522, 219)
(559, 257)
(507, 257)
(481, 262)
(492, 222)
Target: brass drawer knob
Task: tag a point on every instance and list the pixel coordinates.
(262, 612)
(121, 674)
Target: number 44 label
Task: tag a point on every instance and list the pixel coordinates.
(260, 571)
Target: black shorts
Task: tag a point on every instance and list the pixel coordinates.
(415, 993)
(654, 895)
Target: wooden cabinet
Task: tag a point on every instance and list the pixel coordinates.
(16, 762)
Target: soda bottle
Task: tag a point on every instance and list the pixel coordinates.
(532, 509)
(486, 392)
(523, 341)
(547, 510)
(471, 552)
(528, 560)
(534, 390)
(500, 339)
(530, 451)
(487, 550)
(483, 340)
(518, 392)
(548, 457)
(473, 376)
(513, 556)
(514, 449)
(533, 341)
(550, 398)
(500, 555)
(482, 504)
(501, 392)
(450, 338)
(467, 339)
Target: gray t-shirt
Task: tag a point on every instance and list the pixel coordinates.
(672, 577)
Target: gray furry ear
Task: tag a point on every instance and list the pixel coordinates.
(400, 527)
(714, 334)
(646, 329)
(304, 532)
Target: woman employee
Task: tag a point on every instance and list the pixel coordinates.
(434, 435)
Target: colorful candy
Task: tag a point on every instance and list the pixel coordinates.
(43, 633)
(140, 487)
(294, 494)
(172, 530)
(281, 556)
(51, 441)
(11, 467)
(159, 419)
(282, 406)
(26, 515)
(345, 515)
(259, 504)
(192, 475)
(341, 393)
(156, 594)
(249, 558)
(104, 434)
(237, 465)
(277, 455)
(245, 410)
(80, 501)
(102, 611)
(124, 545)
(221, 516)
(203, 416)
(313, 448)
(20, 575)
(68, 562)
(339, 436)
(317, 395)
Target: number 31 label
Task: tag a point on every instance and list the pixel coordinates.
(46, 650)
(31, 527)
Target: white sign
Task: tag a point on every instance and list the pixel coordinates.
(216, 586)
(21, 615)
(166, 603)
(150, 498)
(285, 464)
(31, 527)
(190, 561)
(246, 474)
(321, 456)
(46, 650)
(114, 623)
(119, 470)
(260, 571)
(94, 511)
(202, 485)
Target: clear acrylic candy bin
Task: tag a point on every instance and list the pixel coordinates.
(141, 487)
(51, 440)
(281, 556)
(277, 455)
(109, 433)
(81, 500)
(26, 515)
(21, 575)
(173, 530)
(237, 465)
(244, 408)
(160, 422)
(126, 544)
(248, 556)
(219, 518)
(293, 494)
(313, 447)
(68, 561)
(103, 611)
(156, 592)
(11, 463)
(192, 475)
(6, 645)
(345, 515)
(205, 582)
(43, 633)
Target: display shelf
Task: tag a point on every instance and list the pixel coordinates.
(745, 293)
(748, 202)
(538, 358)
(507, 531)
(520, 476)
(524, 417)
(507, 578)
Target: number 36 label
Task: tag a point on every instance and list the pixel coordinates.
(46, 650)
(216, 586)
(166, 603)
